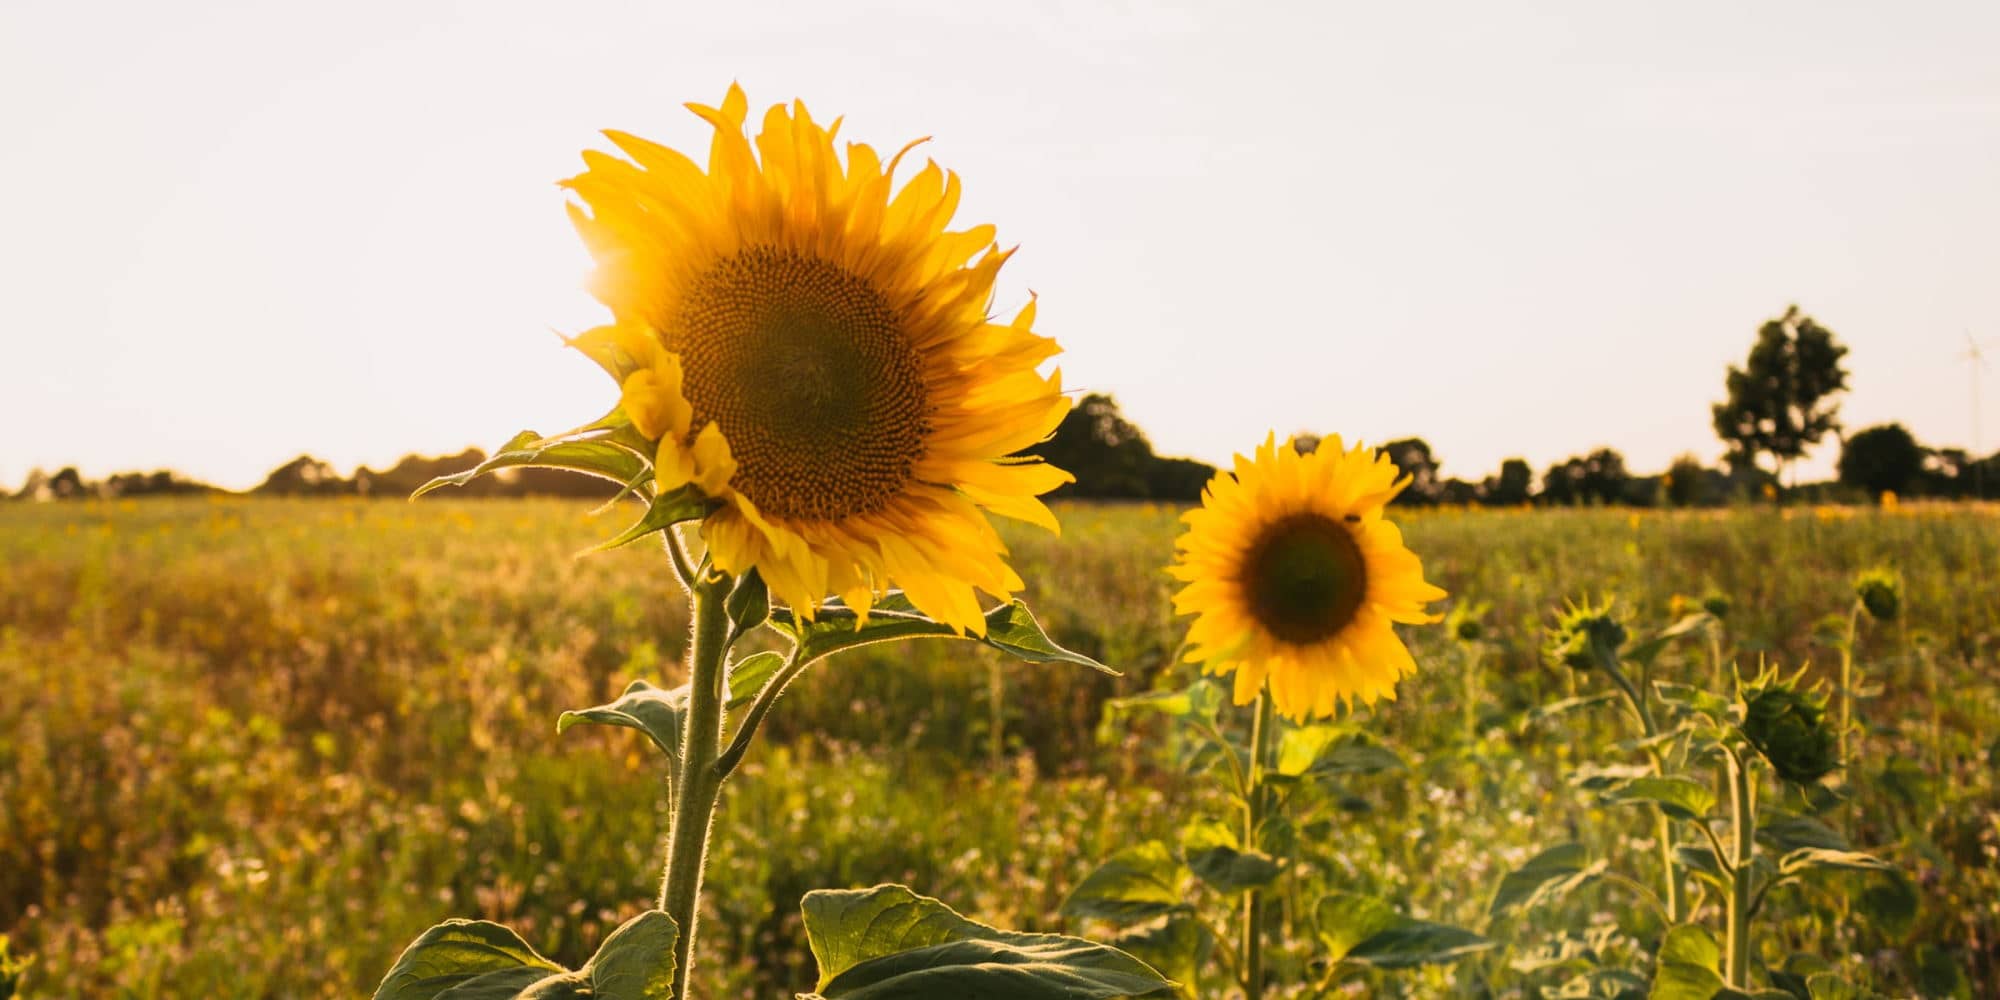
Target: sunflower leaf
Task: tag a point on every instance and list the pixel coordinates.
(1546, 877)
(455, 953)
(660, 713)
(1010, 628)
(1687, 967)
(1137, 884)
(1368, 931)
(684, 504)
(598, 457)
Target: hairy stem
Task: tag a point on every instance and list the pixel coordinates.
(1744, 814)
(1663, 824)
(700, 780)
(1261, 731)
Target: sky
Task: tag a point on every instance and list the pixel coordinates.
(234, 233)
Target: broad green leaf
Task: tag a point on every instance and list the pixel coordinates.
(1607, 777)
(748, 676)
(636, 962)
(749, 601)
(1687, 966)
(1646, 649)
(1218, 859)
(1808, 858)
(1178, 947)
(1138, 883)
(888, 943)
(1202, 700)
(1558, 709)
(1010, 628)
(595, 456)
(1789, 832)
(1546, 877)
(684, 504)
(1686, 697)
(521, 984)
(1300, 746)
(454, 952)
(1368, 931)
(660, 713)
(1680, 798)
(1830, 986)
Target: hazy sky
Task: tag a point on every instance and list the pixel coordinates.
(236, 232)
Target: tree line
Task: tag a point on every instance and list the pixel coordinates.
(1781, 401)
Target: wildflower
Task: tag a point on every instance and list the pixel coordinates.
(1586, 636)
(1295, 576)
(809, 344)
(1880, 593)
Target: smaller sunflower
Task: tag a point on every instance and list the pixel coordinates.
(1295, 577)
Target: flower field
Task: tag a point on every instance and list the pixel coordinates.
(254, 747)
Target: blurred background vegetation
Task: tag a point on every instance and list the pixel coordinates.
(254, 746)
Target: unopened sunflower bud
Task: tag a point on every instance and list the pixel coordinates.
(1789, 728)
(1880, 593)
(1716, 603)
(1585, 637)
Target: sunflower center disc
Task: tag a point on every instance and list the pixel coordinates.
(1305, 578)
(806, 369)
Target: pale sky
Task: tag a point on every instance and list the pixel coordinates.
(238, 232)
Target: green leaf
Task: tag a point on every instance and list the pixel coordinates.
(1891, 902)
(1607, 777)
(1215, 857)
(888, 943)
(1830, 986)
(1700, 860)
(455, 952)
(1788, 832)
(1680, 798)
(1558, 709)
(684, 504)
(1200, 700)
(1368, 931)
(1687, 966)
(1331, 751)
(1137, 884)
(749, 601)
(595, 456)
(1808, 858)
(1546, 877)
(1645, 650)
(636, 962)
(1178, 947)
(748, 676)
(1010, 628)
(515, 984)
(658, 712)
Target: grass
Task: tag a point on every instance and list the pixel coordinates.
(254, 747)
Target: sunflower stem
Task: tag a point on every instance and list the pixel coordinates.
(1663, 824)
(1744, 813)
(1261, 730)
(700, 779)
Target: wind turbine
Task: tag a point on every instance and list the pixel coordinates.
(1975, 363)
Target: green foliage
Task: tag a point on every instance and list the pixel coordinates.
(1780, 402)
(1688, 967)
(1882, 459)
(1368, 931)
(1111, 458)
(888, 943)
(658, 713)
(1586, 636)
(480, 960)
(1788, 726)
(1010, 628)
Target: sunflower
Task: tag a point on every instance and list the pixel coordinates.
(1295, 577)
(809, 345)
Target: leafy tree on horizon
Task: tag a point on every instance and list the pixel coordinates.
(1413, 457)
(1514, 485)
(1886, 457)
(1779, 401)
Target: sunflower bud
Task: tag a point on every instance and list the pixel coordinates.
(1788, 727)
(1716, 603)
(1880, 593)
(1585, 637)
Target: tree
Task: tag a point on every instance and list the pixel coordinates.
(1596, 478)
(1512, 486)
(1882, 458)
(1780, 400)
(1686, 483)
(1111, 458)
(1414, 459)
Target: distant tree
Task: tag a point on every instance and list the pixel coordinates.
(1780, 400)
(1512, 486)
(304, 476)
(1458, 492)
(1111, 458)
(1686, 483)
(1414, 459)
(1884, 457)
(67, 484)
(1596, 478)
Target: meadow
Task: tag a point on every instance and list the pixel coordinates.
(250, 748)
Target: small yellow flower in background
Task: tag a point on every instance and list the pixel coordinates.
(1295, 577)
(1889, 501)
(809, 344)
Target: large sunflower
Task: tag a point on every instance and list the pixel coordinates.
(1295, 577)
(809, 344)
